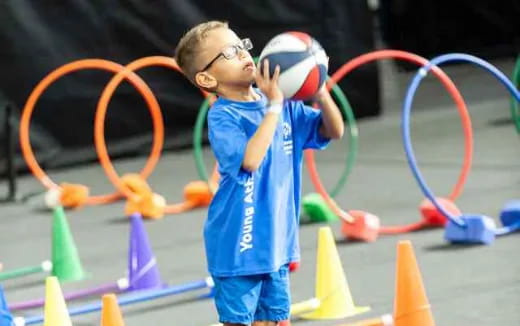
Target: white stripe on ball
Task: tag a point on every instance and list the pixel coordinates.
(283, 43)
(291, 79)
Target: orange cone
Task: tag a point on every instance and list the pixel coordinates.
(111, 314)
(411, 306)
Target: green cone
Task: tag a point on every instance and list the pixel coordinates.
(315, 207)
(66, 265)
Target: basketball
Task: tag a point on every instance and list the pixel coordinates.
(303, 64)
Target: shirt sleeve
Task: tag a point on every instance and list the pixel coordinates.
(308, 121)
(228, 141)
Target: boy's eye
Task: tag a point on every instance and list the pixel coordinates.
(229, 52)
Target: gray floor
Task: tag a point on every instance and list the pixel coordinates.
(466, 285)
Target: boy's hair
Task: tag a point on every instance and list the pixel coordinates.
(188, 48)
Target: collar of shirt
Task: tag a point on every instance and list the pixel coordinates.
(251, 105)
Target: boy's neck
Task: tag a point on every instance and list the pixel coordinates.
(246, 94)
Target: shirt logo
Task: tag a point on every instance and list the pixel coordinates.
(287, 138)
(246, 242)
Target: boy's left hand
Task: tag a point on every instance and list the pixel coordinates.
(322, 94)
(323, 91)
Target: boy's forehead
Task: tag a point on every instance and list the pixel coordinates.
(219, 38)
(214, 42)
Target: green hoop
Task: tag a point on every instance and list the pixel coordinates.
(515, 115)
(346, 109)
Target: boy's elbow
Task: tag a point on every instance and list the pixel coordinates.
(333, 131)
(336, 133)
(250, 166)
(341, 132)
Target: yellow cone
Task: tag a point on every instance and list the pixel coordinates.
(331, 283)
(56, 313)
(111, 314)
(305, 306)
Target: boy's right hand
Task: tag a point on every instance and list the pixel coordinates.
(269, 86)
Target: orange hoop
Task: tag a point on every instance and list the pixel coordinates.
(106, 65)
(99, 126)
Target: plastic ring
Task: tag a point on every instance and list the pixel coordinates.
(515, 114)
(99, 131)
(455, 94)
(405, 126)
(25, 120)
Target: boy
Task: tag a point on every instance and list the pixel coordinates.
(251, 234)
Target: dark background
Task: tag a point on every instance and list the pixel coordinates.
(38, 36)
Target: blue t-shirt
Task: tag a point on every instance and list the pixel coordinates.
(252, 225)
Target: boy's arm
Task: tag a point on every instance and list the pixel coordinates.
(261, 140)
(332, 121)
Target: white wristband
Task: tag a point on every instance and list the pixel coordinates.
(275, 108)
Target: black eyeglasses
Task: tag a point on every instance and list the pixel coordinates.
(231, 51)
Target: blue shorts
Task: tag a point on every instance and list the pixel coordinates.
(249, 298)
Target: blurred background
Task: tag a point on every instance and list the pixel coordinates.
(39, 36)
(467, 285)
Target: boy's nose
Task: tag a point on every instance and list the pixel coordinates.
(242, 54)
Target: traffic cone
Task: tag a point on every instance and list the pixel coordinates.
(6, 319)
(302, 307)
(66, 265)
(142, 265)
(332, 288)
(56, 313)
(110, 313)
(411, 306)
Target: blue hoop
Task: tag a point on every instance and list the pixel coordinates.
(407, 107)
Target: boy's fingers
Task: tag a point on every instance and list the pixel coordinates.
(276, 74)
(266, 69)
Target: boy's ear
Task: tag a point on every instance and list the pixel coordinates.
(205, 80)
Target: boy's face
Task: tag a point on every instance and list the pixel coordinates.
(236, 71)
